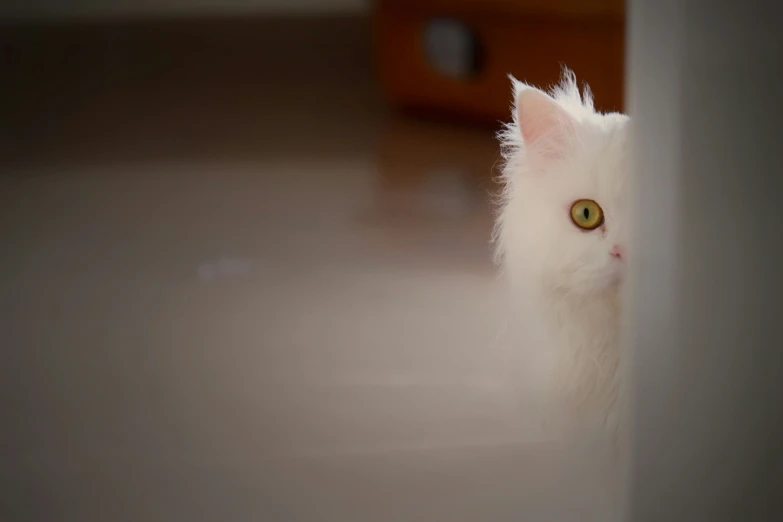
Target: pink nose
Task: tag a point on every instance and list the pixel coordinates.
(618, 252)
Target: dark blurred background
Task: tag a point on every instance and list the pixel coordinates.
(246, 261)
(99, 79)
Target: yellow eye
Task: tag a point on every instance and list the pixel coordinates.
(587, 214)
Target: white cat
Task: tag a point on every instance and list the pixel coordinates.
(561, 243)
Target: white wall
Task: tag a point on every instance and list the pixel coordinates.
(124, 8)
(705, 95)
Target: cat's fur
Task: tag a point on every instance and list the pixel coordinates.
(566, 281)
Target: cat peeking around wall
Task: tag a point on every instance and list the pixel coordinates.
(561, 244)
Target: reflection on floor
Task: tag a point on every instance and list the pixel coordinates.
(235, 287)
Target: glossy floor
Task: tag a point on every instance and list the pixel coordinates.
(232, 298)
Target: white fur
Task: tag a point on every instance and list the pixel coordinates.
(566, 284)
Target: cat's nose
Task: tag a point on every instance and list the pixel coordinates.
(618, 252)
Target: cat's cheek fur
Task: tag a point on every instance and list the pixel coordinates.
(544, 244)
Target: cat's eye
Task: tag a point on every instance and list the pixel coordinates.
(587, 214)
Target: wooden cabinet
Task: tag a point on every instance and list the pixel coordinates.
(490, 39)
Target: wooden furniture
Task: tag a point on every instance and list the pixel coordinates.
(530, 39)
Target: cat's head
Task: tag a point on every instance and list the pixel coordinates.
(563, 217)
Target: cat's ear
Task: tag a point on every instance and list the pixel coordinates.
(546, 127)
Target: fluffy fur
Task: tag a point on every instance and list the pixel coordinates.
(566, 280)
